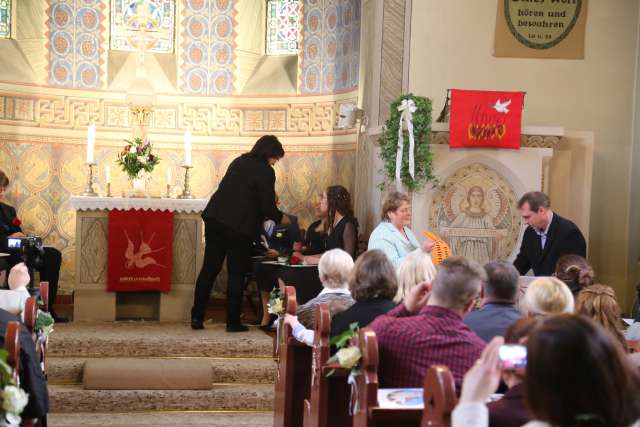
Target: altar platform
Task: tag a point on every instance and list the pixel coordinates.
(92, 300)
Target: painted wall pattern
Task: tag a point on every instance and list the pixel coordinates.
(208, 32)
(75, 32)
(330, 54)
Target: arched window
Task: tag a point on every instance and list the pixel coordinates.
(283, 27)
(147, 23)
(5, 19)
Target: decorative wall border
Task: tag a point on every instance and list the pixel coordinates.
(531, 141)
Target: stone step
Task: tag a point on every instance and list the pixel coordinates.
(222, 397)
(155, 339)
(162, 419)
(68, 370)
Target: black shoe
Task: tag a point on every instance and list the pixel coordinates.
(237, 328)
(196, 324)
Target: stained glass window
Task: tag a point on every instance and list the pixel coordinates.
(146, 23)
(5, 19)
(283, 27)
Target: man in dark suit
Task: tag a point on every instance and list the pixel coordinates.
(233, 219)
(499, 309)
(548, 237)
(10, 226)
(32, 379)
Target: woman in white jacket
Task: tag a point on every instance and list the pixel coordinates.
(576, 375)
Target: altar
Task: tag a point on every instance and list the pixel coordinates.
(92, 300)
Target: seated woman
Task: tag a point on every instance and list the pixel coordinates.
(576, 375)
(373, 285)
(546, 296)
(416, 268)
(575, 272)
(340, 227)
(599, 303)
(392, 236)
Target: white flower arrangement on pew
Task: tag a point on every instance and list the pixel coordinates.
(13, 398)
(348, 355)
(275, 305)
(44, 324)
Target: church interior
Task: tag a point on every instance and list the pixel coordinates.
(121, 121)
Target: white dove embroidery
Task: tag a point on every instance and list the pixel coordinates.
(139, 259)
(501, 107)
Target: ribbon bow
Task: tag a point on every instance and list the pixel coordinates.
(407, 107)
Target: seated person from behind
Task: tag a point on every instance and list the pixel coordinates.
(499, 308)
(575, 272)
(416, 268)
(393, 235)
(373, 284)
(334, 268)
(10, 227)
(341, 227)
(14, 299)
(546, 296)
(427, 328)
(32, 379)
(599, 303)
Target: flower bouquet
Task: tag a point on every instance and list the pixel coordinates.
(13, 398)
(348, 356)
(136, 160)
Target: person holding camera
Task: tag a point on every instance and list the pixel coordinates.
(46, 260)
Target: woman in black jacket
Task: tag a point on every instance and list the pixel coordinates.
(232, 220)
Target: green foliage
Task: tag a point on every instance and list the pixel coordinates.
(340, 341)
(43, 320)
(137, 157)
(5, 369)
(423, 172)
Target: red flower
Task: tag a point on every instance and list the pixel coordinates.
(16, 221)
(295, 260)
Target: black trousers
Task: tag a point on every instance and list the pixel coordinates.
(49, 271)
(222, 242)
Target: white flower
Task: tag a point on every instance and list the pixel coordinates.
(46, 330)
(275, 307)
(142, 159)
(14, 399)
(348, 357)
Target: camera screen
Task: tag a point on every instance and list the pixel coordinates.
(14, 243)
(513, 356)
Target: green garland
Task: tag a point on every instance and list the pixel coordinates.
(423, 172)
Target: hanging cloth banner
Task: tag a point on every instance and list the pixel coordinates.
(140, 251)
(485, 119)
(406, 108)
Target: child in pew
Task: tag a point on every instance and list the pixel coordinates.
(13, 299)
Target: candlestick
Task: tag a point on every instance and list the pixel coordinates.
(108, 189)
(169, 176)
(186, 191)
(107, 174)
(88, 190)
(168, 195)
(187, 148)
(91, 142)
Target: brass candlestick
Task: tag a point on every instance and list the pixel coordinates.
(108, 189)
(186, 191)
(88, 190)
(168, 195)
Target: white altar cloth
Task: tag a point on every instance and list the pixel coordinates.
(82, 203)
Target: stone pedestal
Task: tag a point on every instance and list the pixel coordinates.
(92, 301)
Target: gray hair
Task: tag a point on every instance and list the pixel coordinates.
(502, 280)
(458, 282)
(334, 269)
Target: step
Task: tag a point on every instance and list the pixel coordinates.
(222, 397)
(161, 418)
(68, 370)
(155, 339)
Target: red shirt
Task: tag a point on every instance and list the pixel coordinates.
(408, 345)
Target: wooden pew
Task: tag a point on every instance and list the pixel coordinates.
(328, 403)
(293, 372)
(438, 393)
(31, 315)
(44, 296)
(12, 345)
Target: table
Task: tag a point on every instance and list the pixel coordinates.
(92, 301)
(301, 276)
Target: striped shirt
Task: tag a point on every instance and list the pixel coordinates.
(408, 345)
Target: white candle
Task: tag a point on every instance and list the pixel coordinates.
(91, 142)
(107, 173)
(187, 148)
(168, 176)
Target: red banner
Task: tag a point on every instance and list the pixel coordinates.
(485, 119)
(140, 251)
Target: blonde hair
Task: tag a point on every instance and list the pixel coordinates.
(416, 268)
(334, 269)
(546, 296)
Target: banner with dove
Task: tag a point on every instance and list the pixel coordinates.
(485, 119)
(140, 251)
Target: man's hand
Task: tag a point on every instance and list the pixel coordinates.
(417, 297)
(18, 234)
(427, 245)
(272, 253)
(285, 220)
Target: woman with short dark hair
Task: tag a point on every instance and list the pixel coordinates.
(576, 375)
(373, 285)
(232, 221)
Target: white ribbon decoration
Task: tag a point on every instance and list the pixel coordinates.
(354, 400)
(407, 107)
